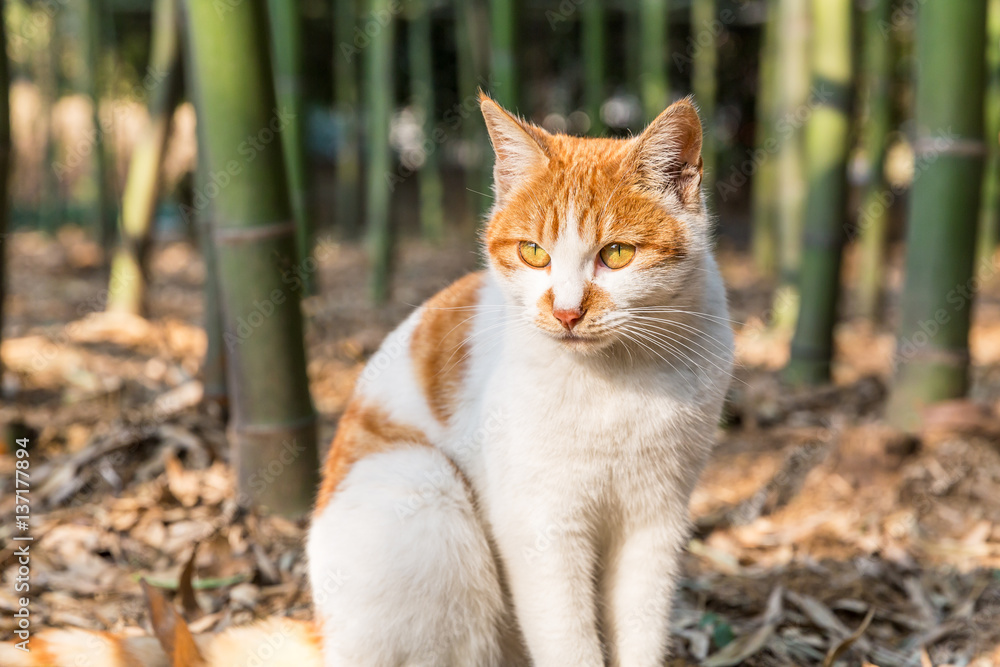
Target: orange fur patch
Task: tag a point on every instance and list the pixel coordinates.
(439, 347)
(611, 189)
(594, 182)
(596, 301)
(363, 430)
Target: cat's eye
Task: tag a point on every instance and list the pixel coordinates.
(617, 255)
(533, 254)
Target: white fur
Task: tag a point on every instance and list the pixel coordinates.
(580, 466)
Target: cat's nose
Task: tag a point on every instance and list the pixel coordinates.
(569, 318)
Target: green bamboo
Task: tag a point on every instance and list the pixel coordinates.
(273, 425)
(794, 105)
(764, 239)
(472, 42)
(50, 208)
(503, 40)
(932, 353)
(378, 77)
(989, 214)
(127, 288)
(102, 223)
(654, 86)
(345, 93)
(592, 22)
(286, 52)
(213, 366)
(422, 92)
(631, 32)
(873, 221)
(704, 83)
(827, 146)
(5, 149)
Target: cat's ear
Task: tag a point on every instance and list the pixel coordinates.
(520, 147)
(667, 154)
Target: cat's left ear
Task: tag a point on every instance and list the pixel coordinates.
(520, 147)
(668, 153)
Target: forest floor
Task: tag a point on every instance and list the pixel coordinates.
(813, 520)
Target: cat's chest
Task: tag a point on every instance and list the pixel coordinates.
(572, 410)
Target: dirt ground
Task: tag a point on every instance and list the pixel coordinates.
(821, 534)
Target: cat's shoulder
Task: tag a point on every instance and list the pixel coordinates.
(439, 344)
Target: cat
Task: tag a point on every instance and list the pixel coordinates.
(509, 483)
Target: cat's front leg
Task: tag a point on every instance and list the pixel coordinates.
(638, 590)
(549, 560)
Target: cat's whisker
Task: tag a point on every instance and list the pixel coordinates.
(465, 343)
(723, 348)
(638, 339)
(479, 193)
(662, 334)
(672, 309)
(673, 335)
(668, 347)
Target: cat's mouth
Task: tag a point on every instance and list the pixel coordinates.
(580, 341)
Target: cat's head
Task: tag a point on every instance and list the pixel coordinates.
(585, 231)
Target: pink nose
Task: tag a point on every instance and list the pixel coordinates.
(569, 318)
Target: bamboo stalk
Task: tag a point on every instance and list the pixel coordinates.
(765, 183)
(345, 92)
(654, 86)
(102, 224)
(472, 43)
(5, 150)
(704, 83)
(422, 92)
(989, 214)
(503, 40)
(873, 221)
(793, 75)
(127, 287)
(273, 425)
(932, 353)
(592, 46)
(827, 146)
(286, 52)
(378, 77)
(794, 104)
(213, 367)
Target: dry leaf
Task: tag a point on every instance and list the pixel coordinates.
(741, 648)
(171, 630)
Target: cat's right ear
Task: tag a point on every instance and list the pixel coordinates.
(520, 147)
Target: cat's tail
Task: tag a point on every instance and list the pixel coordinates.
(274, 642)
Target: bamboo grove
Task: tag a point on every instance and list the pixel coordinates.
(809, 107)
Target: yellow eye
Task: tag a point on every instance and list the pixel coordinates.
(617, 255)
(533, 254)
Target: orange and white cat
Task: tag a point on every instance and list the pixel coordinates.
(509, 484)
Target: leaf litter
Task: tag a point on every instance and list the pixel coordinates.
(822, 537)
